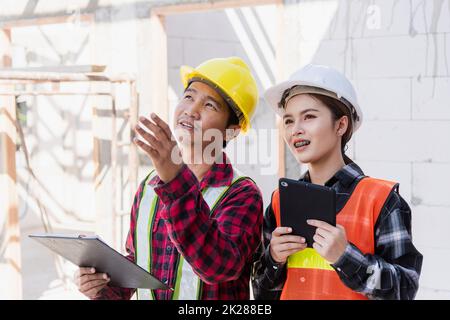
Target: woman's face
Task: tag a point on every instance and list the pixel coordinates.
(310, 130)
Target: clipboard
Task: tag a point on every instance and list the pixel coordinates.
(91, 251)
(300, 201)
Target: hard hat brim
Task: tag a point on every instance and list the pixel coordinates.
(274, 94)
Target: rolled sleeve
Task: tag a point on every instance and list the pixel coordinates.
(351, 262)
(179, 186)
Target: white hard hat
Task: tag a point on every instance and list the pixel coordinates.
(322, 77)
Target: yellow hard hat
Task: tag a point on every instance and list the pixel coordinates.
(232, 79)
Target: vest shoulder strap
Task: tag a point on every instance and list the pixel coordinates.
(377, 189)
(276, 206)
(221, 192)
(382, 183)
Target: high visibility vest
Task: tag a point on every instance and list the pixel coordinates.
(311, 277)
(188, 285)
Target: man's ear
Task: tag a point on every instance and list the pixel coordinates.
(232, 131)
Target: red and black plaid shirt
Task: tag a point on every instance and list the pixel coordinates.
(219, 247)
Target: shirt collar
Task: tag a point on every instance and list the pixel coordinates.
(345, 176)
(220, 174)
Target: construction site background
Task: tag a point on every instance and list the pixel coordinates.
(396, 52)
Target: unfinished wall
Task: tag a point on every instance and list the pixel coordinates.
(395, 52)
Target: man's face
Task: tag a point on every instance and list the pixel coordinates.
(201, 110)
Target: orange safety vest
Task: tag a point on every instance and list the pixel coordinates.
(309, 276)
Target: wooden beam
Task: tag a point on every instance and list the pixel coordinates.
(51, 93)
(114, 155)
(44, 20)
(280, 76)
(70, 69)
(159, 79)
(6, 59)
(210, 6)
(10, 265)
(61, 77)
(133, 159)
(10, 269)
(103, 184)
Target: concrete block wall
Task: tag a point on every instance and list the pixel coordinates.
(396, 53)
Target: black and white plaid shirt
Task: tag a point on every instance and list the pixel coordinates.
(391, 273)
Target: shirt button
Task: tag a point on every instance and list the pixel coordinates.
(302, 279)
(164, 280)
(169, 249)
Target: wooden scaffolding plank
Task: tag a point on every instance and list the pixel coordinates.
(63, 69)
(159, 79)
(280, 76)
(210, 6)
(10, 260)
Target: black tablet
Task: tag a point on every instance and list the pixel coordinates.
(91, 251)
(300, 201)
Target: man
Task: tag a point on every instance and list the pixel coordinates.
(195, 223)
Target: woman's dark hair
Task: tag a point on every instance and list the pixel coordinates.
(338, 110)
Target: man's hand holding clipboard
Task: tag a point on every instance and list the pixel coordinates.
(100, 265)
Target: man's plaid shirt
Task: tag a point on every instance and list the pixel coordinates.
(220, 247)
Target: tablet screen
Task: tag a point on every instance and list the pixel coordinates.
(300, 201)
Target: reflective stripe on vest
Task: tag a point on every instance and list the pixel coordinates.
(188, 285)
(309, 276)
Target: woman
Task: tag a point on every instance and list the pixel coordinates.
(369, 254)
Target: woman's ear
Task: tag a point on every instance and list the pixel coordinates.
(232, 132)
(342, 125)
